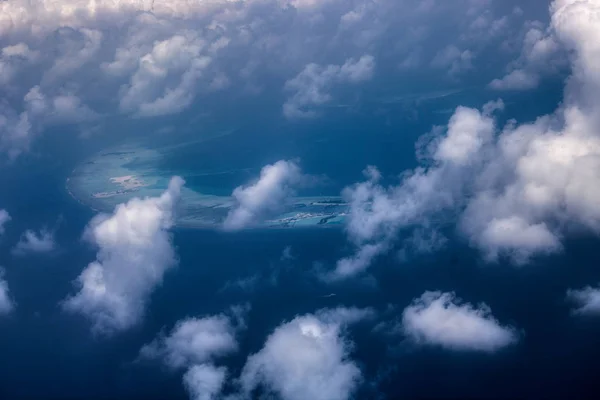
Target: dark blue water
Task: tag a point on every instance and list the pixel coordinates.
(51, 355)
(381, 132)
(47, 354)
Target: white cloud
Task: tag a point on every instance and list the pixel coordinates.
(135, 251)
(587, 300)
(356, 263)
(193, 345)
(64, 107)
(517, 79)
(311, 87)
(439, 319)
(377, 213)
(6, 304)
(266, 195)
(517, 236)
(145, 58)
(205, 382)
(18, 129)
(33, 242)
(541, 55)
(194, 341)
(307, 358)
(468, 132)
(4, 219)
(152, 91)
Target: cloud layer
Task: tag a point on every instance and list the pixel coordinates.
(145, 59)
(134, 252)
(440, 319)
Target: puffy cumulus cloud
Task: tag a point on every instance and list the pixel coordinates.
(194, 345)
(518, 234)
(35, 242)
(311, 86)
(4, 219)
(517, 79)
(542, 54)
(60, 108)
(18, 129)
(586, 300)
(205, 382)
(76, 49)
(194, 341)
(266, 195)
(377, 213)
(356, 263)
(134, 252)
(179, 58)
(516, 190)
(145, 58)
(6, 304)
(307, 358)
(439, 319)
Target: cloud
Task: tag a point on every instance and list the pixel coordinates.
(6, 304)
(515, 191)
(19, 129)
(193, 345)
(204, 382)
(377, 213)
(4, 219)
(32, 242)
(265, 196)
(439, 319)
(587, 300)
(134, 252)
(148, 92)
(542, 54)
(311, 86)
(12, 58)
(517, 79)
(307, 358)
(194, 341)
(356, 263)
(149, 59)
(519, 235)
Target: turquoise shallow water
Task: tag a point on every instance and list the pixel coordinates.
(116, 175)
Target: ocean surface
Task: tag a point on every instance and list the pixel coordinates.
(52, 355)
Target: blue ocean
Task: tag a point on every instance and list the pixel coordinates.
(50, 354)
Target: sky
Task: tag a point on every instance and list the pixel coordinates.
(506, 172)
